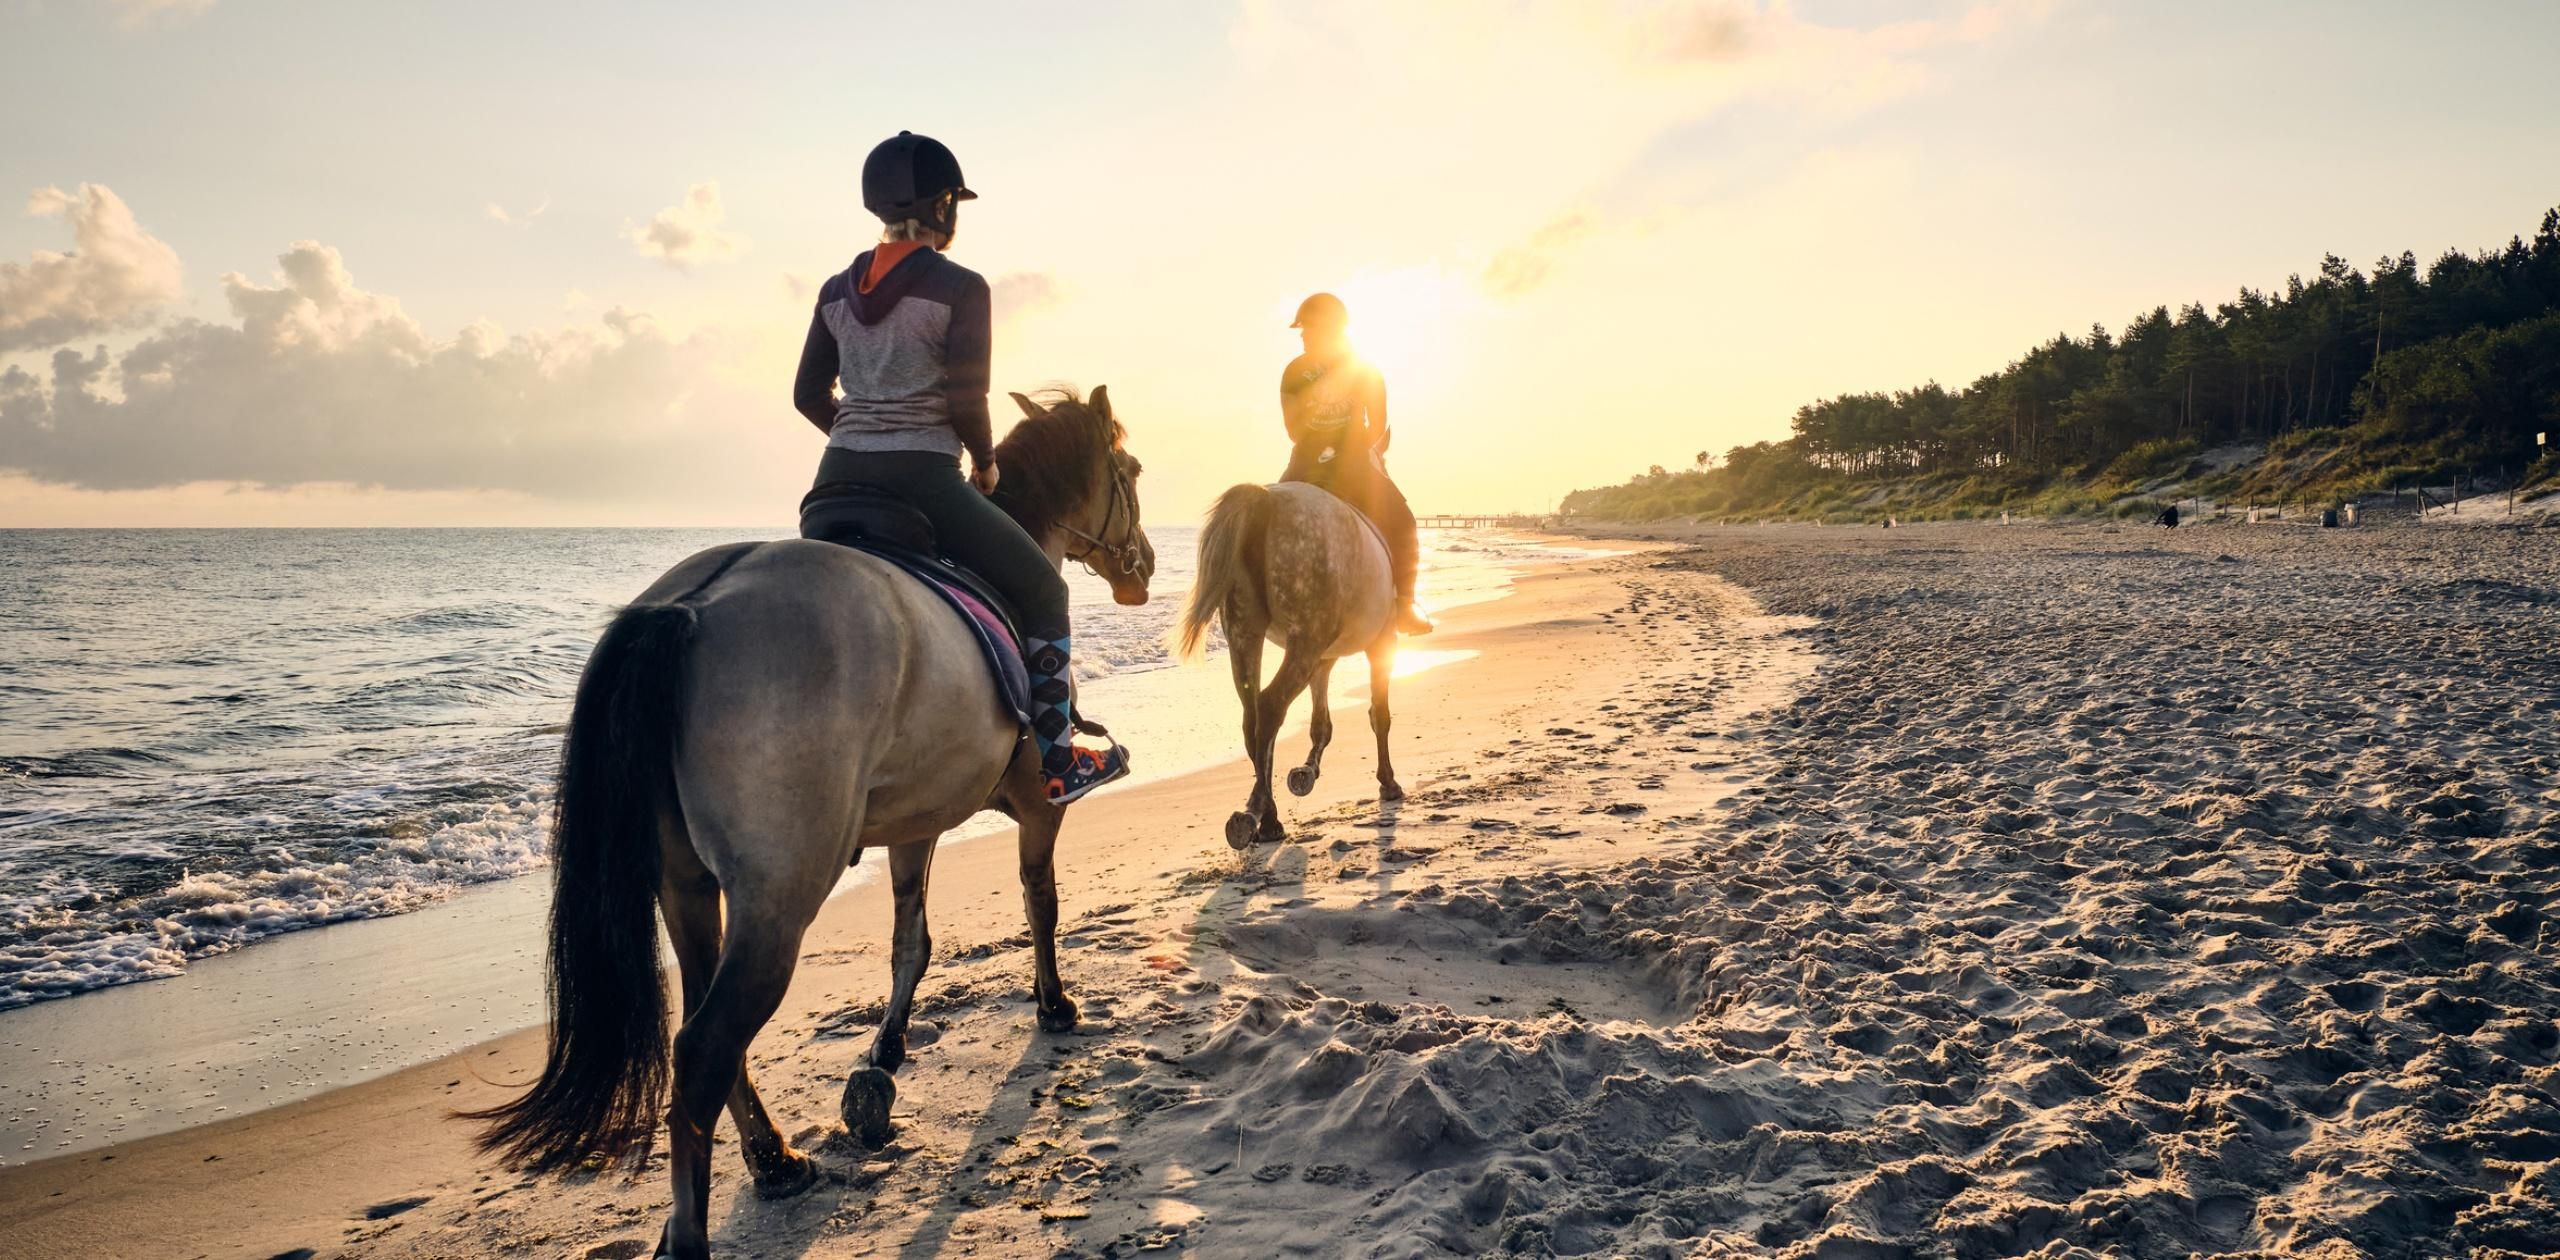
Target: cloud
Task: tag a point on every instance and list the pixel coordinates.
(116, 275)
(1420, 105)
(689, 233)
(1022, 292)
(503, 215)
(1708, 32)
(1524, 266)
(143, 15)
(315, 380)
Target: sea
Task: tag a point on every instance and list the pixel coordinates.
(212, 738)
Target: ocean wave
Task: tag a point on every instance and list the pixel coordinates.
(73, 934)
(460, 617)
(86, 763)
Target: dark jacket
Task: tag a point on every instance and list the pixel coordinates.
(911, 355)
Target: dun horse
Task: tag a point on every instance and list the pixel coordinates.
(1293, 564)
(744, 730)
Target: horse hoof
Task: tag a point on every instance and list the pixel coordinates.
(668, 1250)
(1273, 832)
(1058, 1018)
(1240, 830)
(790, 1175)
(1302, 780)
(867, 1096)
(1389, 792)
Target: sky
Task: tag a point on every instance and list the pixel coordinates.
(300, 262)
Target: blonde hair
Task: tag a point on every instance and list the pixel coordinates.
(913, 230)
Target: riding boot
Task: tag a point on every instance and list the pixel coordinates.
(1068, 771)
(1409, 618)
(1404, 549)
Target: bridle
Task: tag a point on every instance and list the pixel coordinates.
(1122, 560)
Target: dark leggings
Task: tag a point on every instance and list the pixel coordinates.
(1365, 486)
(973, 531)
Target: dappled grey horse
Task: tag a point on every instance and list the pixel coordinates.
(1293, 564)
(761, 715)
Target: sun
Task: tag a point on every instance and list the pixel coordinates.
(1411, 322)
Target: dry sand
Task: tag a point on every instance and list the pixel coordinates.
(1948, 891)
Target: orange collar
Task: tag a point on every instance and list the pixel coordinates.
(885, 258)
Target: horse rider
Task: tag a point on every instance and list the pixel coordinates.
(1334, 405)
(905, 332)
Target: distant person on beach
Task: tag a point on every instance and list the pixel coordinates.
(2169, 517)
(1334, 405)
(905, 331)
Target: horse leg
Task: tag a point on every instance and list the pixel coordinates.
(691, 903)
(1302, 780)
(1382, 666)
(910, 947)
(1039, 843)
(1295, 668)
(757, 956)
(1244, 661)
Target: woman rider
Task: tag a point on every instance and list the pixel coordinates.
(1334, 405)
(906, 330)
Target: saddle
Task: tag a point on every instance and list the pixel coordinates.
(1326, 476)
(880, 524)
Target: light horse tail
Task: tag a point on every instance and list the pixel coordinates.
(605, 1073)
(1231, 562)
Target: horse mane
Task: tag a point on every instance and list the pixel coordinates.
(1048, 459)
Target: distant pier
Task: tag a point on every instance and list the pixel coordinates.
(1484, 522)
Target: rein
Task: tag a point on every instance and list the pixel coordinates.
(1125, 558)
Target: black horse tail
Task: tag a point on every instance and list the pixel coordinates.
(1230, 563)
(605, 1075)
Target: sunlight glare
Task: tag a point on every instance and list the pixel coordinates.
(1410, 322)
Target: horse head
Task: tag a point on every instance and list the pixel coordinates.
(1069, 479)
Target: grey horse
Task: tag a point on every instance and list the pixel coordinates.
(761, 715)
(1293, 564)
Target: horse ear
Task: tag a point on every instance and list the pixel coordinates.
(1030, 409)
(1101, 401)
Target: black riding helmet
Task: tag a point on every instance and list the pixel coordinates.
(906, 177)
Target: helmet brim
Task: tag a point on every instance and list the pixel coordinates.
(963, 194)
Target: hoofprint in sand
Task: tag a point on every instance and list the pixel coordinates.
(2105, 893)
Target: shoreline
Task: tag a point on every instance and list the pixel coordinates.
(298, 1014)
(405, 1099)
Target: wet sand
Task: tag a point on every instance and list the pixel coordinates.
(1814, 893)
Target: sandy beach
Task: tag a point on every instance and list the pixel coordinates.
(1947, 891)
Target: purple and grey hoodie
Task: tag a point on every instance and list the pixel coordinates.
(911, 353)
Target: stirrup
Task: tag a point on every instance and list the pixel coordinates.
(1412, 622)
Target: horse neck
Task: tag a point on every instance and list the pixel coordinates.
(1053, 541)
(1053, 544)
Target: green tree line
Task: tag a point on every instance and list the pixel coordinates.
(2458, 362)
